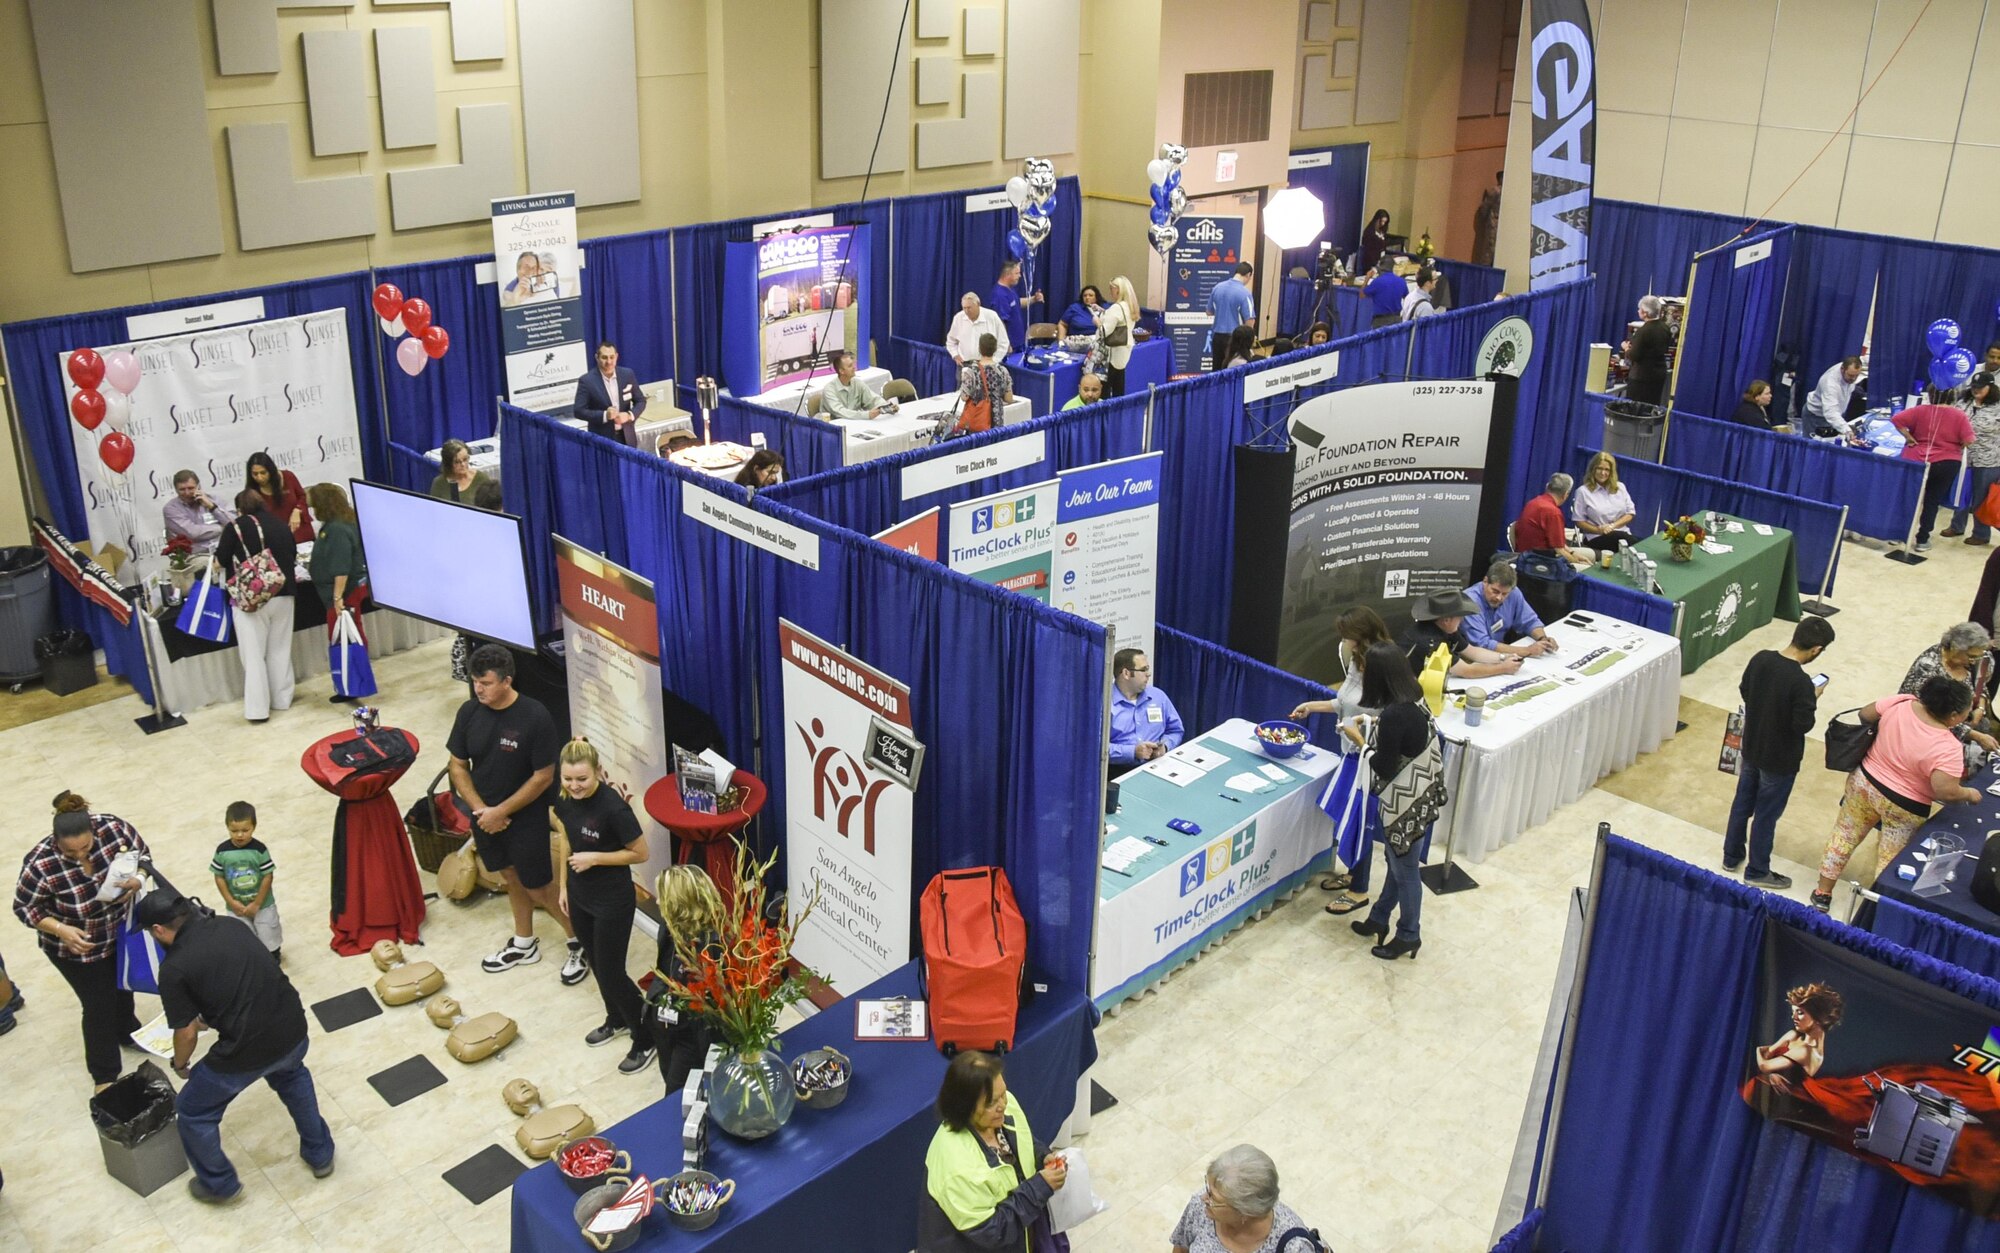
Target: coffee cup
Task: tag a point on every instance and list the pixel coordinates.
(1475, 705)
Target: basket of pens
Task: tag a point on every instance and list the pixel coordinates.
(694, 1198)
(821, 1077)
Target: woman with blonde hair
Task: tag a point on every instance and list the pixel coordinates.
(598, 839)
(1116, 324)
(1602, 509)
(691, 919)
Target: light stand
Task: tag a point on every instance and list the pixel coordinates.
(707, 396)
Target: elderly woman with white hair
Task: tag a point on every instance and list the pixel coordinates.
(1238, 1211)
(1964, 653)
(1646, 353)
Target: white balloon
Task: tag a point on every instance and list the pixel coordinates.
(117, 409)
(393, 327)
(1156, 171)
(1017, 192)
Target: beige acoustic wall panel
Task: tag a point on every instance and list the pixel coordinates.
(1919, 93)
(974, 135)
(337, 92)
(1894, 186)
(580, 98)
(444, 194)
(1644, 42)
(1044, 47)
(274, 209)
(1816, 63)
(1629, 156)
(246, 32)
(1385, 51)
(1708, 165)
(478, 27)
(856, 72)
(129, 127)
(1784, 155)
(408, 81)
(1725, 48)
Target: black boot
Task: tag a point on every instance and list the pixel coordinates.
(1378, 930)
(1397, 948)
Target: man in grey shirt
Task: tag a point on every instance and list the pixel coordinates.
(846, 397)
(193, 513)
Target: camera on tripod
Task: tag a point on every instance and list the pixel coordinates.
(1327, 269)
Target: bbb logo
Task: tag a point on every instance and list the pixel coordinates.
(1203, 232)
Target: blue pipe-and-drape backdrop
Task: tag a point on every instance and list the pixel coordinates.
(1338, 185)
(1656, 1151)
(942, 251)
(1000, 684)
(453, 398)
(1733, 322)
(40, 395)
(1636, 249)
(1944, 938)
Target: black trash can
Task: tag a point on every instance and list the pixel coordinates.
(1633, 428)
(136, 1131)
(67, 661)
(27, 610)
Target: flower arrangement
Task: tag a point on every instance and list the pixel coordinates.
(179, 550)
(1683, 533)
(744, 982)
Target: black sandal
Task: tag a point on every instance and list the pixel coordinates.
(1346, 903)
(1336, 882)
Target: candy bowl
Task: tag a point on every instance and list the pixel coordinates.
(694, 1199)
(587, 1163)
(1281, 739)
(821, 1077)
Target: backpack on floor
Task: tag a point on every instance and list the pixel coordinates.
(975, 959)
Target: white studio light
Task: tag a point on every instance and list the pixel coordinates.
(1294, 218)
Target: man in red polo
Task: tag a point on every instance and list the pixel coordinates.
(1540, 526)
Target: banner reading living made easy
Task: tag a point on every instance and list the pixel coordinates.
(1563, 160)
(1387, 483)
(205, 402)
(808, 285)
(1206, 254)
(611, 639)
(1902, 1074)
(847, 824)
(539, 280)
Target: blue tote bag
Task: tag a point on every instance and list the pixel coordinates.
(205, 613)
(138, 956)
(347, 658)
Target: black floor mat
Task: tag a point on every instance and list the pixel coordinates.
(486, 1174)
(407, 1080)
(346, 1009)
(1100, 1100)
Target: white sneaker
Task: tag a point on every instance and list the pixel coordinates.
(513, 954)
(574, 967)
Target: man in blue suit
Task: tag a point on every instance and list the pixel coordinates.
(609, 398)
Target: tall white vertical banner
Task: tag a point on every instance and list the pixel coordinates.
(611, 639)
(539, 278)
(1107, 546)
(847, 823)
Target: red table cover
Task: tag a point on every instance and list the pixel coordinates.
(709, 832)
(376, 892)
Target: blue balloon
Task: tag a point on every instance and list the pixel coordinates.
(1942, 336)
(1960, 362)
(1159, 215)
(1173, 180)
(1940, 375)
(1017, 247)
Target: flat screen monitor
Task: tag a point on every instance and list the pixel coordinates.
(448, 563)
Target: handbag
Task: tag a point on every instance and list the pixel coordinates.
(347, 658)
(257, 577)
(1847, 743)
(1730, 761)
(1411, 801)
(1119, 335)
(205, 614)
(1988, 510)
(138, 957)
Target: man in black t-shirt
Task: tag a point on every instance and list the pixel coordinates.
(503, 750)
(1437, 621)
(1780, 704)
(216, 974)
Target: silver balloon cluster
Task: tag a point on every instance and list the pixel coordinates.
(1169, 201)
(1030, 192)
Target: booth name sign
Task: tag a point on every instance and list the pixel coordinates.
(782, 538)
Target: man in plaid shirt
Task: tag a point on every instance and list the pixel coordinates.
(57, 896)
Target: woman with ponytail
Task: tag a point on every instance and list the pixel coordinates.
(600, 839)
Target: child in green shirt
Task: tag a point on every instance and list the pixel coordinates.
(245, 875)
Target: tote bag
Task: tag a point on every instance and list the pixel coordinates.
(1848, 742)
(347, 658)
(205, 613)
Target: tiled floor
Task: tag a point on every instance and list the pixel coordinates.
(1389, 1095)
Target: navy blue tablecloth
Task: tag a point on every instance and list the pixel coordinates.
(1050, 388)
(1950, 926)
(855, 1170)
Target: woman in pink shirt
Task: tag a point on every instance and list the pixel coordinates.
(1938, 436)
(1915, 762)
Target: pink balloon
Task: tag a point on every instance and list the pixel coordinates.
(410, 355)
(121, 370)
(392, 327)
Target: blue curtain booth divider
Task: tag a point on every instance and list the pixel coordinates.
(942, 252)
(1828, 296)
(1921, 282)
(1655, 613)
(1656, 1151)
(628, 283)
(1641, 248)
(1662, 492)
(453, 397)
(1006, 692)
(1470, 284)
(808, 445)
(1937, 936)
(1197, 422)
(32, 349)
(1521, 1238)
(927, 366)
(868, 497)
(1733, 323)
(1339, 185)
(1209, 684)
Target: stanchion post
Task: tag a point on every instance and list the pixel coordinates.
(161, 719)
(1908, 553)
(1446, 877)
(1821, 606)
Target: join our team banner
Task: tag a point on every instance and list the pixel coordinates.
(1901, 1074)
(539, 278)
(847, 820)
(611, 638)
(205, 402)
(1387, 483)
(1086, 542)
(1206, 254)
(807, 303)
(1564, 131)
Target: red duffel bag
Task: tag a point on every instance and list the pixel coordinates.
(975, 958)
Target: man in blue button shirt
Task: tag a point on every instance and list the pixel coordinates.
(1144, 723)
(1505, 622)
(1009, 307)
(1230, 304)
(1386, 293)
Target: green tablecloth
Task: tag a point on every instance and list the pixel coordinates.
(1723, 597)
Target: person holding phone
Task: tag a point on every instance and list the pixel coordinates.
(1780, 704)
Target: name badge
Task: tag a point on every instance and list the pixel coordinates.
(208, 519)
(1153, 714)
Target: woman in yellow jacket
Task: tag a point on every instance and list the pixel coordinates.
(981, 1189)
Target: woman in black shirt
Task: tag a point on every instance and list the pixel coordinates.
(690, 922)
(1754, 409)
(601, 839)
(1401, 732)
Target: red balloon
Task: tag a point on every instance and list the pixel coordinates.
(116, 450)
(86, 368)
(436, 342)
(87, 407)
(387, 301)
(416, 317)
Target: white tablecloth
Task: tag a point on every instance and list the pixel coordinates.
(788, 396)
(214, 677)
(1526, 759)
(909, 427)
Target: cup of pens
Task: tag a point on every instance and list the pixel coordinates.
(694, 1198)
(821, 1077)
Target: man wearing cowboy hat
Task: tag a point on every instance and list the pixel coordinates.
(1435, 623)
